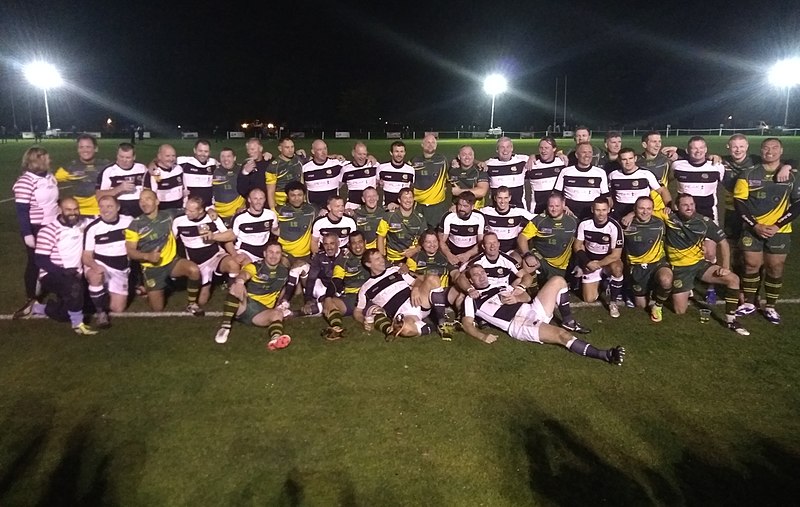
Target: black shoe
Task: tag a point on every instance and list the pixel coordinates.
(25, 311)
(101, 321)
(575, 327)
(615, 355)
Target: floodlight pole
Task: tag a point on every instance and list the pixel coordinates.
(46, 109)
(491, 121)
(786, 113)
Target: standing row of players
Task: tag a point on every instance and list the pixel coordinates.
(395, 229)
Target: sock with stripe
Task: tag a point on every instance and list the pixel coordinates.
(615, 283)
(334, 318)
(564, 307)
(750, 284)
(582, 348)
(99, 296)
(275, 329)
(383, 323)
(772, 289)
(229, 309)
(192, 290)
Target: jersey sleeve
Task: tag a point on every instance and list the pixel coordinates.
(530, 230)
(220, 225)
(88, 240)
(383, 228)
(559, 182)
(469, 308)
(579, 234)
(62, 175)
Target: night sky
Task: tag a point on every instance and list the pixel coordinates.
(345, 64)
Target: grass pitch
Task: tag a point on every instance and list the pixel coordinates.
(154, 412)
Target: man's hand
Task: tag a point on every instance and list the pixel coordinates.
(242, 259)
(404, 269)
(531, 262)
(249, 166)
(489, 338)
(310, 308)
(301, 153)
(455, 164)
(212, 213)
(452, 259)
(125, 187)
(783, 173)
(372, 160)
(721, 272)
(418, 296)
(765, 231)
(627, 219)
(153, 257)
(569, 212)
(473, 293)
(592, 266)
(392, 206)
(481, 165)
(563, 158)
(267, 156)
(715, 159)
(671, 152)
(30, 241)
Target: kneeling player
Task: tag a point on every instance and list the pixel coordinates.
(253, 298)
(526, 321)
(348, 277)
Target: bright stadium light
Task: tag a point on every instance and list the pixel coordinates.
(45, 76)
(494, 85)
(785, 74)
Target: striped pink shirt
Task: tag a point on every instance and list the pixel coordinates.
(40, 193)
(64, 245)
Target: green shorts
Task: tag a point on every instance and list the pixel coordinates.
(548, 271)
(251, 309)
(156, 278)
(349, 301)
(297, 260)
(732, 226)
(683, 277)
(434, 213)
(777, 244)
(642, 276)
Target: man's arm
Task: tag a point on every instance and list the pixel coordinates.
(468, 323)
(135, 255)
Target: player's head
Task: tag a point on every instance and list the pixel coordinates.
(126, 155)
(771, 150)
(477, 276)
(295, 193)
(330, 244)
(697, 149)
(504, 148)
(583, 154)
(254, 148)
(273, 253)
(502, 198)
(148, 201)
(202, 150)
(369, 196)
(319, 150)
(286, 147)
(627, 159)
(466, 156)
(356, 243)
(613, 141)
(359, 153)
(429, 144)
(373, 261)
(69, 210)
(227, 158)
(335, 207)
(87, 147)
(398, 152)
(406, 198)
(256, 200)
(651, 142)
(35, 160)
(429, 241)
(686, 206)
(464, 204)
(491, 244)
(643, 208)
(600, 209)
(166, 156)
(194, 207)
(738, 146)
(109, 208)
(547, 148)
(582, 134)
(556, 204)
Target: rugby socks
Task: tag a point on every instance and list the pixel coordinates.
(334, 318)
(439, 304)
(99, 296)
(192, 290)
(660, 295)
(38, 308)
(563, 305)
(383, 323)
(229, 310)
(75, 318)
(582, 348)
(615, 285)
(731, 302)
(275, 329)
(750, 284)
(772, 289)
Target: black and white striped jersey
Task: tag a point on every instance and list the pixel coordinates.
(599, 239)
(322, 180)
(488, 307)
(541, 181)
(389, 290)
(507, 224)
(106, 240)
(253, 231)
(462, 234)
(357, 178)
(511, 174)
(500, 271)
(701, 182)
(198, 177)
(340, 228)
(394, 178)
(190, 233)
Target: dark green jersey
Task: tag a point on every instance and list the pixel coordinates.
(266, 282)
(151, 234)
(765, 199)
(226, 198)
(658, 165)
(430, 179)
(367, 222)
(467, 179)
(684, 238)
(349, 269)
(425, 264)
(552, 238)
(295, 224)
(644, 241)
(401, 232)
(732, 171)
(280, 172)
(82, 179)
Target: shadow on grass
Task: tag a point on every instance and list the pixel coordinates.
(563, 468)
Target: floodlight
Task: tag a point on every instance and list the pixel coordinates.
(785, 74)
(45, 76)
(494, 84)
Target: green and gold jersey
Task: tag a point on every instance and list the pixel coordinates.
(552, 238)
(83, 182)
(280, 172)
(266, 282)
(467, 179)
(764, 198)
(658, 165)
(644, 241)
(401, 232)
(367, 222)
(684, 238)
(437, 264)
(295, 225)
(151, 234)
(430, 179)
(226, 198)
(732, 171)
(349, 269)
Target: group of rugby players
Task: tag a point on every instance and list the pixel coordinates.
(409, 247)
